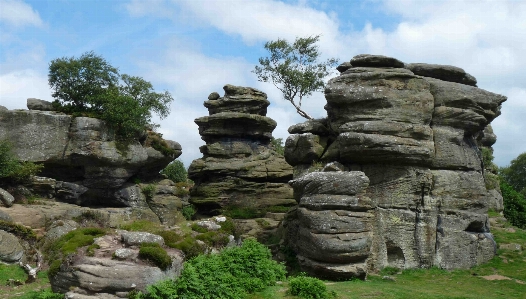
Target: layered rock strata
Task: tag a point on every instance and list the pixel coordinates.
(239, 168)
(82, 152)
(410, 135)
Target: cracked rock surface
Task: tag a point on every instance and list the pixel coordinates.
(411, 190)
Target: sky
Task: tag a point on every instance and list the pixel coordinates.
(194, 47)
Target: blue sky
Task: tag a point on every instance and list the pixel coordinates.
(192, 48)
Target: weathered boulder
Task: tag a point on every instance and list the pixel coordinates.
(239, 167)
(443, 72)
(417, 134)
(6, 198)
(82, 151)
(38, 104)
(11, 251)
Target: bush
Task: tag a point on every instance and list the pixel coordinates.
(277, 144)
(189, 247)
(514, 205)
(154, 253)
(148, 191)
(232, 273)
(11, 168)
(176, 171)
(188, 212)
(309, 288)
(515, 174)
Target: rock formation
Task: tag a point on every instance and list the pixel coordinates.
(394, 175)
(90, 166)
(239, 168)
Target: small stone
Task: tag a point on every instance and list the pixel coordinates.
(6, 198)
(387, 277)
(213, 96)
(38, 104)
(344, 66)
(511, 246)
(136, 238)
(220, 219)
(209, 225)
(124, 253)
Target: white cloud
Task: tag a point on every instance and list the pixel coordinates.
(17, 86)
(17, 13)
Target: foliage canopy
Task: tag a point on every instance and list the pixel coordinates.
(515, 174)
(13, 169)
(294, 69)
(90, 86)
(176, 171)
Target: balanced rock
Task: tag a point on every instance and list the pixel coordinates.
(407, 187)
(239, 167)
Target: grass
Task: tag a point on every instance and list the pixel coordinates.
(24, 291)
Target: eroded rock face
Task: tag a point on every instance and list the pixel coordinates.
(239, 168)
(80, 151)
(414, 133)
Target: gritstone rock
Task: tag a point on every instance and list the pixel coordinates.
(410, 189)
(239, 168)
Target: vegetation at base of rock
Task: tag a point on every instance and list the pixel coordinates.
(68, 244)
(18, 230)
(514, 205)
(170, 237)
(90, 251)
(154, 253)
(239, 212)
(91, 218)
(309, 288)
(148, 191)
(294, 69)
(11, 168)
(189, 247)
(142, 226)
(277, 144)
(156, 141)
(214, 238)
(196, 228)
(15, 274)
(515, 174)
(188, 212)
(90, 86)
(176, 171)
(487, 159)
(232, 273)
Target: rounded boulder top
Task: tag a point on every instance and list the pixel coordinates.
(368, 60)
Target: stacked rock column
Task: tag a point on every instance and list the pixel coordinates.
(239, 169)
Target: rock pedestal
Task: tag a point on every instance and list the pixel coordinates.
(410, 135)
(239, 168)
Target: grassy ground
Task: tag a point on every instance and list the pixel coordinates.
(508, 265)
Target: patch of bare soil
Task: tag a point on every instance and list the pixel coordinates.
(500, 277)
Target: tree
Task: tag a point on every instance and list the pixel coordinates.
(176, 171)
(90, 85)
(294, 69)
(515, 174)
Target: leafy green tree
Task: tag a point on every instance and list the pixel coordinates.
(176, 171)
(515, 174)
(514, 205)
(294, 69)
(277, 143)
(90, 85)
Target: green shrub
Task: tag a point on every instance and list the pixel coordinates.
(42, 294)
(514, 205)
(199, 229)
(154, 253)
(243, 212)
(277, 144)
(232, 273)
(156, 141)
(309, 288)
(176, 171)
(170, 237)
(188, 212)
(148, 191)
(11, 168)
(189, 247)
(214, 238)
(18, 230)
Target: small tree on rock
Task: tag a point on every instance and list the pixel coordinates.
(90, 86)
(294, 69)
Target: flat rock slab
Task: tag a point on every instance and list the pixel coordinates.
(442, 72)
(376, 61)
(136, 238)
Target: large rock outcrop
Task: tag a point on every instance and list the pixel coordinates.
(83, 153)
(407, 186)
(239, 168)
